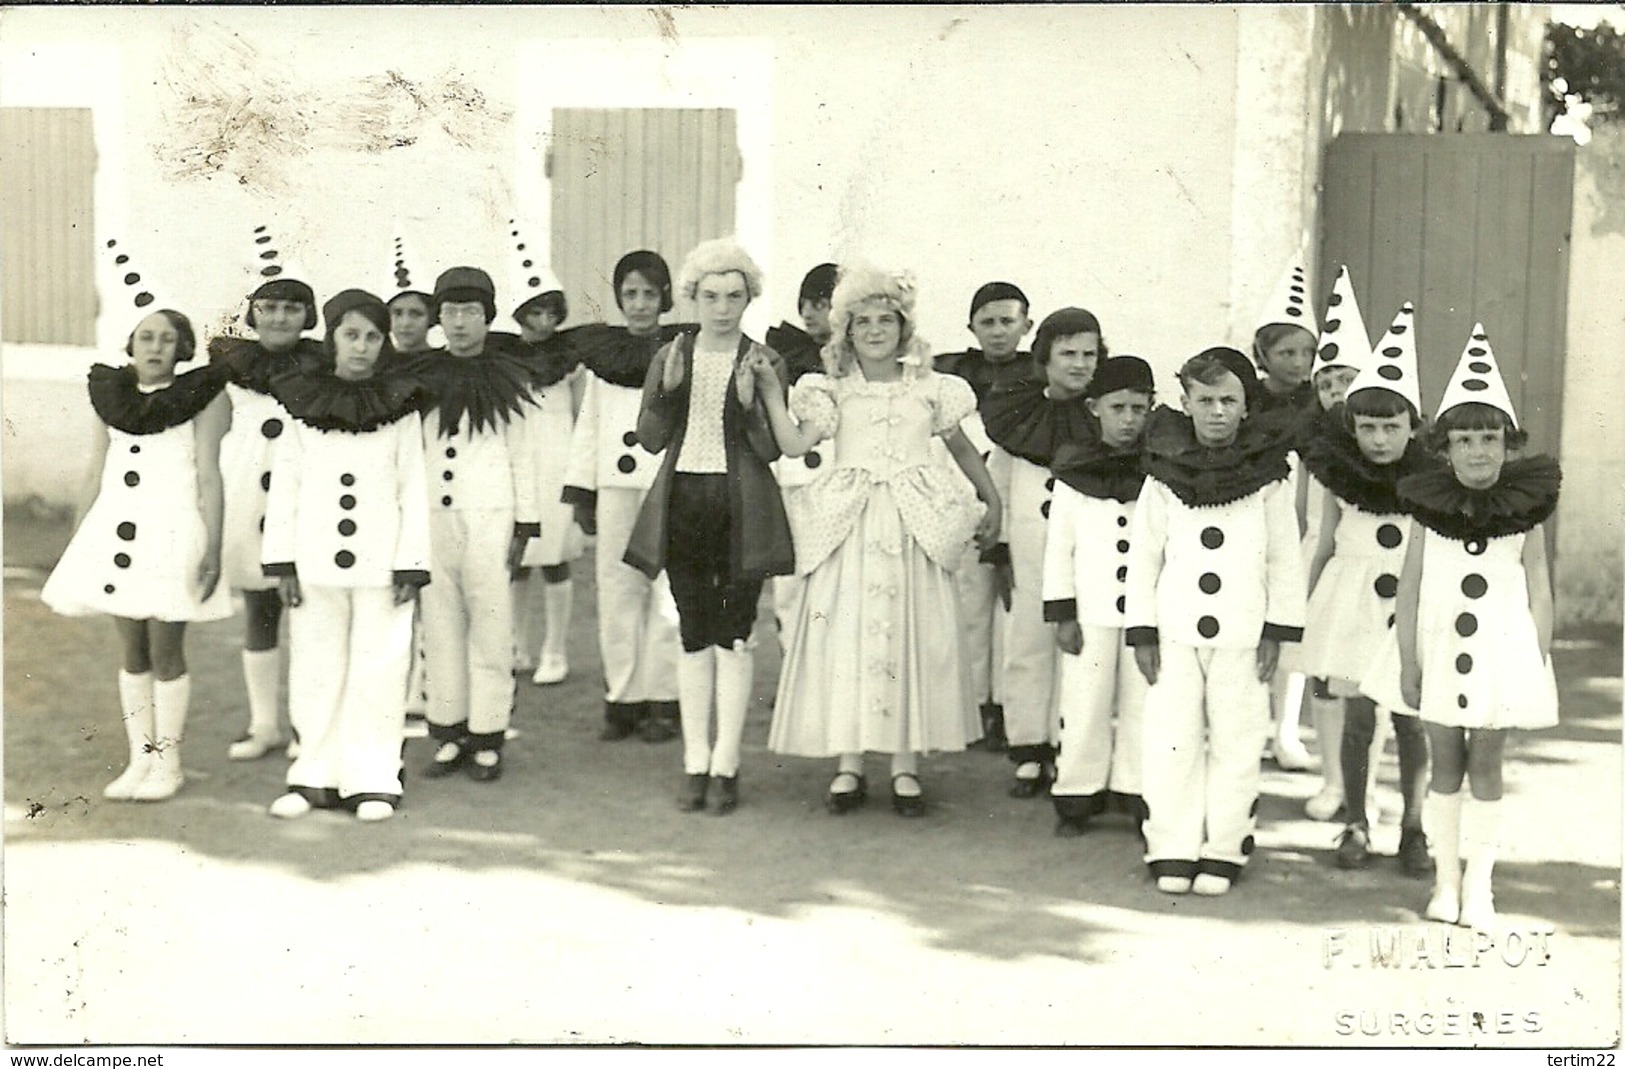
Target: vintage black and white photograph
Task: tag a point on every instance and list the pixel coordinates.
(926, 526)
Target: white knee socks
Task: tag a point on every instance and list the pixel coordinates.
(135, 703)
(696, 684)
(1480, 836)
(1441, 817)
(170, 699)
(262, 676)
(736, 669)
(552, 665)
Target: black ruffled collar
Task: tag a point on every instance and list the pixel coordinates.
(551, 359)
(801, 351)
(1201, 476)
(121, 403)
(973, 366)
(488, 390)
(1333, 456)
(1026, 424)
(1302, 397)
(1521, 500)
(618, 356)
(252, 367)
(320, 399)
(1094, 469)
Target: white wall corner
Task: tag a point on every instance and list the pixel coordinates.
(1276, 157)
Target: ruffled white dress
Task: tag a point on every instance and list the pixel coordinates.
(874, 660)
(548, 425)
(1351, 611)
(137, 551)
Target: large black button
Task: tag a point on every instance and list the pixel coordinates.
(813, 460)
(1461, 701)
(629, 439)
(1207, 627)
(132, 478)
(1120, 603)
(121, 559)
(346, 527)
(446, 501)
(1212, 537)
(1389, 536)
(1122, 521)
(1474, 585)
(1210, 583)
(1122, 545)
(1049, 483)
(265, 480)
(1387, 585)
(1466, 625)
(1122, 573)
(271, 428)
(451, 452)
(108, 589)
(135, 449)
(344, 558)
(445, 476)
(1464, 663)
(126, 531)
(347, 502)
(626, 464)
(347, 479)
(1043, 510)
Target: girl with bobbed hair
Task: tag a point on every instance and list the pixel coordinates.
(868, 666)
(147, 548)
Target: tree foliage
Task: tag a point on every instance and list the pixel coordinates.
(1588, 64)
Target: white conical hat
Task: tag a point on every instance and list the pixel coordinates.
(1343, 338)
(1477, 378)
(272, 260)
(1392, 365)
(1289, 302)
(132, 281)
(530, 276)
(406, 273)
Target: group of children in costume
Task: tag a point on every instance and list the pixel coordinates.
(1019, 548)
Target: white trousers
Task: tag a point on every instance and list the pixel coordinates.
(468, 620)
(981, 624)
(1100, 699)
(1028, 657)
(637, 618)
(349, 648)
(1199, 757)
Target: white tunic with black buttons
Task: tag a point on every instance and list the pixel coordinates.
(137, 551)
(1086, 558)
(486, 469)
(1351, 610)
(1224, 570)
(349, 510)
(247, 456)
(1475, 637)
(604, 449)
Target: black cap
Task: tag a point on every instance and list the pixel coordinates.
(819, 285)
(458, 284)
(997, 291)
(1122, 373)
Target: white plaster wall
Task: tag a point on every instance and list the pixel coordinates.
(1088, 153)
(1591, 512)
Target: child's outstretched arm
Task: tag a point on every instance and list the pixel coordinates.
(1537, 576)
(1410, 592)
(794, 440)
(1330, 514)
(970, 462)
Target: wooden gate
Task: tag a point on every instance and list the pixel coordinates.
(1468, 227)
(636, 178)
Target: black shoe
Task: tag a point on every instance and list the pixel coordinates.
(692, 800)
(727, 794)
(1353, 847)
(486, 773)
(1031, 788)
(658, 729)
(839, 802)
(907, 805)
(449, 756)
(620, 721)
(1413, 853)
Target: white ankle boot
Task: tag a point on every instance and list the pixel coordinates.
(135, 703)
(170, 699)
